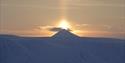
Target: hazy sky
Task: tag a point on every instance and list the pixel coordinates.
(88, 17)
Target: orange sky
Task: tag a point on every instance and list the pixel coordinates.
(87, 17)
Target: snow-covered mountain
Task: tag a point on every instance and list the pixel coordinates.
(63, 47)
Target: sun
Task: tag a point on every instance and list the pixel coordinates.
(64, 24)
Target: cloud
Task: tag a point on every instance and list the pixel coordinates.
(79, 25)
(93, 27)
(55, 29)
(50, 28)
(45, 27)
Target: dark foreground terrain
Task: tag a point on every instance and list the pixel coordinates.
(63, 47)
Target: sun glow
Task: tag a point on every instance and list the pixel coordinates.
(64, 24)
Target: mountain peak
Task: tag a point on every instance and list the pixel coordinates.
(64, 34)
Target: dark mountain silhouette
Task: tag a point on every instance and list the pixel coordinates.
(63, 47)
(64, 34)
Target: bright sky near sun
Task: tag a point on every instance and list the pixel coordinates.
(64, 24)
(86, 17)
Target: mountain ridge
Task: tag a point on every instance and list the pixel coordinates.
(57, 49)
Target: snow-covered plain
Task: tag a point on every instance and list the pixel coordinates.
(63, 47)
